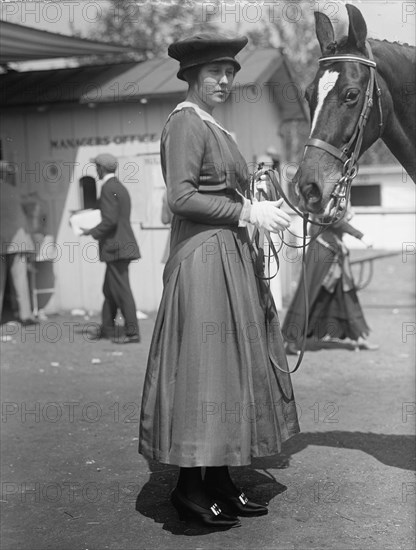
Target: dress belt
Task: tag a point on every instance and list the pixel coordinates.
(212, 188)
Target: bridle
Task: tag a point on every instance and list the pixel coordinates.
(349, 154)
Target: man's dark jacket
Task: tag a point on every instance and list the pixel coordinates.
(114, 234)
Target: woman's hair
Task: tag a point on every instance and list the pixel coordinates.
(191, 74)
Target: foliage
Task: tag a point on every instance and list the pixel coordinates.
(149, 26)
(290, 25)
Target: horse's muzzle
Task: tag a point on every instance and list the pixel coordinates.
(310, 198)
(307, 196)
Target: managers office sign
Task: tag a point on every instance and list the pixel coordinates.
(93, 141)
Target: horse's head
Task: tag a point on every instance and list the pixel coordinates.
(336, 98)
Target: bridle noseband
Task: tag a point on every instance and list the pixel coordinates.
(349, 154)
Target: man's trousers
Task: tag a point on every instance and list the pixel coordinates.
(16, 265)
(118, 295)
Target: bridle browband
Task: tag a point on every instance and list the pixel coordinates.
(349, 154)
(363, 60)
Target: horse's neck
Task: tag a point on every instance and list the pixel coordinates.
(396, 71)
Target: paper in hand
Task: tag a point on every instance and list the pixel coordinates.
(84, 219)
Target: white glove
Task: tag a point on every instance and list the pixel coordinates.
(267, 214)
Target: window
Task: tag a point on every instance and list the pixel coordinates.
(366, 195)
(88, 192)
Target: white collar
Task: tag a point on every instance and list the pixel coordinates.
(107, 177)
(200, 112)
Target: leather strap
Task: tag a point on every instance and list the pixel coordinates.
(337, 153)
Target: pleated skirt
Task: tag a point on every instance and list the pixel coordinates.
(216, 391)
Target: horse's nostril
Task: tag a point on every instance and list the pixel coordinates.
(312, 193)
(313, 199)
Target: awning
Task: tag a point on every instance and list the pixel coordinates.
(20, 43)
(148, 80)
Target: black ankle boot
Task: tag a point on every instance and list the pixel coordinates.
(219, 485)
(213, 516)
(239, 505)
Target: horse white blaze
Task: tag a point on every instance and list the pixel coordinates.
(325, 85)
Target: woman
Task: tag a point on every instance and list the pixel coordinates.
(335, 314)
(213, 395)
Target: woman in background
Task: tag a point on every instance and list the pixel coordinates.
(335, 313)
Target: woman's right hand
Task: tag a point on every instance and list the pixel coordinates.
(269, 216)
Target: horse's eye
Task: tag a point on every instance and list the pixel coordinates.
(352, 95)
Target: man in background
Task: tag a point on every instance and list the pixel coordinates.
(118, 247)
(16, 245)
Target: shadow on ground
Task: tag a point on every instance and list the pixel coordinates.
(153, 500)
(392, 450)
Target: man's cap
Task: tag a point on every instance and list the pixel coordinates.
(206, 48)
(107, 161)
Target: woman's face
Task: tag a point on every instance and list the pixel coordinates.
(214, 82)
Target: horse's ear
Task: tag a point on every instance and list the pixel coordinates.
(357, 32)
(324, 32)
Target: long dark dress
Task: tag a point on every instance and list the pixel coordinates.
(334, 308)
(213, 394)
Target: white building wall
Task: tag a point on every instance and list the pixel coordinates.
(37, 140)
(392, 224)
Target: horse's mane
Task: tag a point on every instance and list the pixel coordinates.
(400, 47)
(397, 48)
(395, 43)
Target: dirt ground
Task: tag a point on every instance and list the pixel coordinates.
(72, 478)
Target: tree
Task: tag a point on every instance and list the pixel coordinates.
(149, 27)
(290, 26)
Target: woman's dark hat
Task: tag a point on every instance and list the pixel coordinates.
(206, 48)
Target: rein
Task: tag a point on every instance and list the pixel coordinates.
(257, 240)
(349, 154)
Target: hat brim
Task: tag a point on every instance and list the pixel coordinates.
(183, 69)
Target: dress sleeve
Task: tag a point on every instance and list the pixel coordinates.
(183, 146)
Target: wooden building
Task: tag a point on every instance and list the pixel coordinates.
(55, 121)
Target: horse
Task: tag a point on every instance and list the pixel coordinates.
(364, 90)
